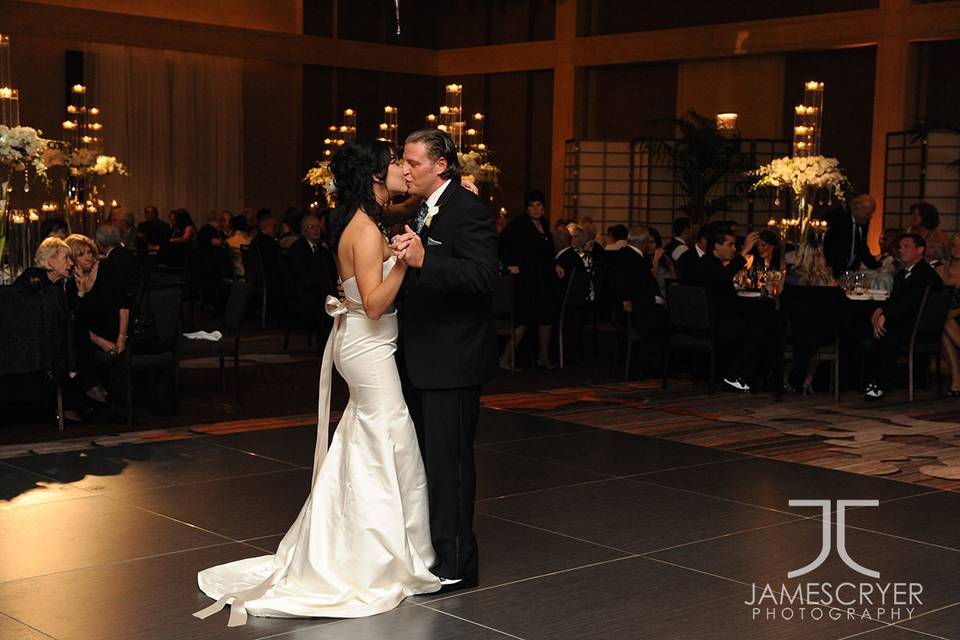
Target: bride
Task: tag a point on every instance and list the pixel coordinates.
(361, 543)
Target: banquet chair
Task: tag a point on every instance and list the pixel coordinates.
(691, 327)
(229, 344)
(574, 310)
(504, 313)
(164, 306)
(925, 339)
(256, 277)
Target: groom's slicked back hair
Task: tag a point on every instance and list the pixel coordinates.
(439, 144)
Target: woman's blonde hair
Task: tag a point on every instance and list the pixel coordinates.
(811, 264)
(49, 248)
(76, 241)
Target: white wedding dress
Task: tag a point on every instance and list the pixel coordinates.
(361, 543)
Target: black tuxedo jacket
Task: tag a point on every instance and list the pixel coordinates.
(836, 243)
(633, 279)
(718, 280)
(904, 302)
(448, 336)
(688, 266)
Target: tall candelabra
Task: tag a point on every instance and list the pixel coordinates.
(474, 133)
(807, 121)
(9, 97)
(83, 132)
(388, 128)
(451, 113)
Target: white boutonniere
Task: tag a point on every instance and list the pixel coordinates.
(432, 210)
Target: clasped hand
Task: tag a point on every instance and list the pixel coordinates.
(408, 248)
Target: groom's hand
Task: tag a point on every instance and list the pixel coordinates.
(410, 248)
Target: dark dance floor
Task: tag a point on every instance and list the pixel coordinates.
(584, 533)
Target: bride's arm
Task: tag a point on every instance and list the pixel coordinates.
(376, 292)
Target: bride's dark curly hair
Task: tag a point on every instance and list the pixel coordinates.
(354, 167)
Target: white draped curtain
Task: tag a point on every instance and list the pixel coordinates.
(176, 121)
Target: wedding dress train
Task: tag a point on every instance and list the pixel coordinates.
(361, 543)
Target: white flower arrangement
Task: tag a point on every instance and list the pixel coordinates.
(801, 174)
(21, 147)
(476, 166)
(321, 176)
(105, 165)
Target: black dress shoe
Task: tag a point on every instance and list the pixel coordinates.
(455, 584)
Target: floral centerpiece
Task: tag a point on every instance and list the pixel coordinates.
(804, 176)
(476, 166)
(22, 147)
(320, 176)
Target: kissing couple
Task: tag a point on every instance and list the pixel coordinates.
(390, 510)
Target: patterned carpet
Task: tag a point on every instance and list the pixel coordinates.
(912, 442)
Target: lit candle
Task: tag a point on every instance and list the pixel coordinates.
(813, 85)
(113, 203)
(726, 121)
(69, 124)
(442, 127)
(96, 126)
(6, 92)
(86, 139)
(431, 118)
(772, 223)
(327, 141)
(388, 109)
(478, 116)
(383, 126)
(348, 112)
(343, 128)
(34, 216)
(471, 132)
(799, 109)
(332, 128)
(71, 108)
(78, 88)
(444, 110)
(481, 147)
(801, 130)
(94, 111)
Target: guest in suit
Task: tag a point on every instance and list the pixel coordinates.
(311, 276)
(567, 259)
(126, 223)
(637, 290)
(527, 251)
(845, 243)
(117, 282)
(893, 322)
(447, 340)
(683, 236)
(688, 264)
(154, 230)
(742, 336)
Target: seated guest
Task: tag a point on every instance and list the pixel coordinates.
(311, 276)
(578, 242)
(212, 233)
(53, 227)
(173, 253)
(116, 286)
(239, 238)
(889, 240)
(809, 270)
(126, 223)
(845, 243)
(636, 288)
(52, 266)
(265, 242)
(950, 272)
(893, 322)
(567, 259)
(687, 267)
(767, 254)
(290, 228)
(925, 221)
(154, 230)
(740, 336)
(86, 258)
(216, 261)
(616, 237)
(683, 237)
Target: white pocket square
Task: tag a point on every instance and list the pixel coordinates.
(433, 243)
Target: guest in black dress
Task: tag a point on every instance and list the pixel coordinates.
(767, 255)
(527, 252)
(86, 258)
(173, 253)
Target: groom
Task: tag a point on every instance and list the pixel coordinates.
(448, 340)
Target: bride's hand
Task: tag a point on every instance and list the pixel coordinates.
(410, 249)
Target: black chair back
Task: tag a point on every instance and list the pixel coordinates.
(164, 304)
(252, 266)
(688, 308)
(576, 296)
(236, 309)
(933, 313)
